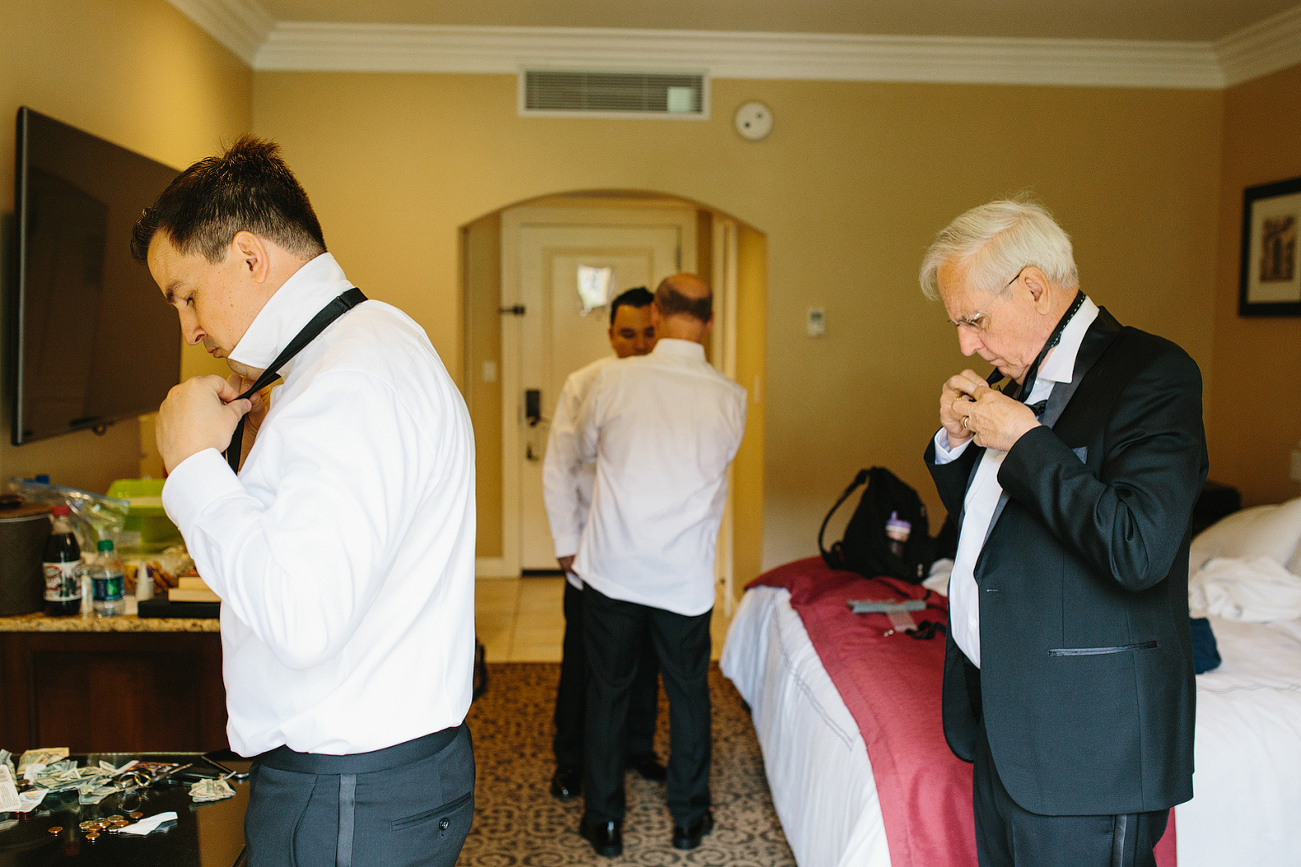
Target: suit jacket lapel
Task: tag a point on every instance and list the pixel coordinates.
(1100, 335)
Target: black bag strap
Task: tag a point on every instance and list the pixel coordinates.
(859, 481)
(318, 323)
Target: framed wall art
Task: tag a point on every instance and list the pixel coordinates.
(1270, 283)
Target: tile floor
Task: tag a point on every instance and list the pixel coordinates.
(520, 619)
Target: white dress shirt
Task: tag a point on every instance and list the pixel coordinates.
(567, 480)
(984, 491)
(662, 429)
(344, 551)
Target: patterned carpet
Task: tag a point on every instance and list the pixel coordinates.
(517, 822)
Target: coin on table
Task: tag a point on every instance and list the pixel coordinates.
(92, 836)
(54, 829)
(136, 815)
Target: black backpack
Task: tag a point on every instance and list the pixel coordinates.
(867, 548)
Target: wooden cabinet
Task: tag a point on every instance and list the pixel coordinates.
(112, 691)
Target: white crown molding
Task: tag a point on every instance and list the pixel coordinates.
(248, 29)
(382, 48)
(241, 25)
(1260, 49)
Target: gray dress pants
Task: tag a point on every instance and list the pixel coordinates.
(409, 805)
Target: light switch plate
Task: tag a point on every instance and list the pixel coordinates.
(817, 322)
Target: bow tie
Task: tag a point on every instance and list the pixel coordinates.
(1037, 407)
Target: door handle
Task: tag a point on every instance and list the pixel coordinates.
(533, 406)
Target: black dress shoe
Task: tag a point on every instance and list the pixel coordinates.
(606, 837)
(567, 782)
(689, 838)
(648, 765)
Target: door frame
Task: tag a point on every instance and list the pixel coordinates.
(613, 212)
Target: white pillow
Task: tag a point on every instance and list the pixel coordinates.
(1261, 531)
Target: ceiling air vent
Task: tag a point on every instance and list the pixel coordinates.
(614, 94)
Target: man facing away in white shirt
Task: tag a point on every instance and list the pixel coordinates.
(343, 550)
(567, 491)
(663, 429)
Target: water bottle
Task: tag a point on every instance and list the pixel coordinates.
(107, 582)
(897, 530)
(61, 562)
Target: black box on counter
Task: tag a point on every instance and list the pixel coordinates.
(160, 607)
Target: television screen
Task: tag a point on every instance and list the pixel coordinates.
(93, 340)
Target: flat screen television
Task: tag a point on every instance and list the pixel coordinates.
(92, 340)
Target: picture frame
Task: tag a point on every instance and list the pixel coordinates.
(1270, 279)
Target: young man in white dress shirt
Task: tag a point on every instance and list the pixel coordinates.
(343, 550)
(663, 429)
(567, 491)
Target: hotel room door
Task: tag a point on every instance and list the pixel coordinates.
(561, 267)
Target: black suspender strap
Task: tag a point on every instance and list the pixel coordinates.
(319, 322)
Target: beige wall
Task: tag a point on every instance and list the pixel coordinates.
(1252, 418)
(751, 372)
(141, 75)
(481, 266)
(849, 188)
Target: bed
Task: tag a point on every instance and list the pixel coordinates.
(1247, 803)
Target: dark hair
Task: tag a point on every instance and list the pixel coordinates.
(638, 296)
(248, 188)
(671, 302)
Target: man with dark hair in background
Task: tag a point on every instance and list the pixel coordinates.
(343, 549)
(567, 489)
(663, 429)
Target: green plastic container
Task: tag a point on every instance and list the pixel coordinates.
(145, 517)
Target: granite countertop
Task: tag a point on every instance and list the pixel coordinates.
(39, 622)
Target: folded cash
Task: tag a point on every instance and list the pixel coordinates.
(62, 776)
(92, 793)
(46, 756)
(211, 790)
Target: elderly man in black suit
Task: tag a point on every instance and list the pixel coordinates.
(1068, 678)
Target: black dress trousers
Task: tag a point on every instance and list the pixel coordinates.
(615, 632)
(571, 693)
(1007, 835)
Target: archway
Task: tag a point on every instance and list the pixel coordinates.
(728, 252)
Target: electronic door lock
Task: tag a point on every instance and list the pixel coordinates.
(533, 406)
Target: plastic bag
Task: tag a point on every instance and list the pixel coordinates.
(94, 516)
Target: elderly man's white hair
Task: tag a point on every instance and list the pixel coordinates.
(995, 241)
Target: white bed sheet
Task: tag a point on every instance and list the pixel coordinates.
(1246, 807)
(817, 766)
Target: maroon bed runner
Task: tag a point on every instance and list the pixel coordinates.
(891, 685)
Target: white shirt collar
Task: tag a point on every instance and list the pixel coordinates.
(1060, 365)
(680, 348)
(290, 308)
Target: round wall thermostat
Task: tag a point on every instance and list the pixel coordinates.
(754, 120)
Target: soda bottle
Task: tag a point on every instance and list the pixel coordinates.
(106, 581)
(62, 565)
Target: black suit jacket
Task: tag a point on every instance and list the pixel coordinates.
(1087, 689)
